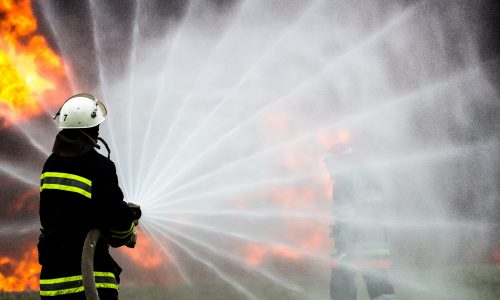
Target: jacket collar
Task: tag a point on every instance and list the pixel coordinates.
(72, 145)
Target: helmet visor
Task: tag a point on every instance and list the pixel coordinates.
(102, 107)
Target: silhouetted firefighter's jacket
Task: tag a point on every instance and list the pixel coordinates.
(360, 242)
(77, 193)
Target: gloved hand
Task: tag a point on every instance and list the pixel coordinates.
(133, 240)
(136, 211)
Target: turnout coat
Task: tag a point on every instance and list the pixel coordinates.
(79, 191)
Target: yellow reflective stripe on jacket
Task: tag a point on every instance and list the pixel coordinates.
(370, 198)
(66, 175)
(74, 284)
(122, 234)
(66, 182)
(104, 274)
(62, 279)
(65, 188)
(371, 252)
(106, 286)
(62, 291)
(375, 252)
(78, 289)
(74, 278)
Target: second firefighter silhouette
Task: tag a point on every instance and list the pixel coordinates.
(360, 241)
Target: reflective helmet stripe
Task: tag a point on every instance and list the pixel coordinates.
(66, 182)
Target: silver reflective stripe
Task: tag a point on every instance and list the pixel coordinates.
(379, 252)
(386, 297)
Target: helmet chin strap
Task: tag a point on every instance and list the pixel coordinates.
(94, 142)
(91, 139)
(105, 145)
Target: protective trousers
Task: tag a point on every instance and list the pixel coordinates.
(343, 284)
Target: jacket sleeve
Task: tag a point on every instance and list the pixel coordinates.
(114, 217)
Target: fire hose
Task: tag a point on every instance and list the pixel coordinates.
(88, 278)
(87, 264)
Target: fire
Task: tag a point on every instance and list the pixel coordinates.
(255, 254)
(25, 202)
(496, 257)
(330, 139)
(292, 197)
(314, 242)
(285, 253)
(20, 274)
(31, 70)
(146, 253)
(303, 236)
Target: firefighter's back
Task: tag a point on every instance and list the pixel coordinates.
(69, 208)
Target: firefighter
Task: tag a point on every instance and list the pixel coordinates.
(360, 241)
(79, 191)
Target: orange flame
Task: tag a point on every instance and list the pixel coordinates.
(315, 242)
(329, 139)
(255, 254)
(496, 256)
(24, 203)
(30, 69)
(145, 254)
(303, 235)
(20, 274)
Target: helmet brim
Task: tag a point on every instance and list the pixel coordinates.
(102, 107)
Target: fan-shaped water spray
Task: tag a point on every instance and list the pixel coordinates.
(222, 112)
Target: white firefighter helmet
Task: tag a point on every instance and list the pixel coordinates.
(81, 111)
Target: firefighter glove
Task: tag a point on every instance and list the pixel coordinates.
(133, 240)
(135, 209)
